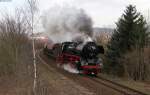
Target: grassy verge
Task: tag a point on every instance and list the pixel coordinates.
(143, 86)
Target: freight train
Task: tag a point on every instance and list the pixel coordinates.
(84, 59)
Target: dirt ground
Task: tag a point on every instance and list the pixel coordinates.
(13, 86)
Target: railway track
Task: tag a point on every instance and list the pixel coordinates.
(117, 87)
(123, 90)
(122, 86)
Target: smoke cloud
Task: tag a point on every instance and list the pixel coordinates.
(70, 69)
(66, 23)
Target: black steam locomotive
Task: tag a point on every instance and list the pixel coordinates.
(82, 57)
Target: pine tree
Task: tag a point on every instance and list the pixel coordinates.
(126, 36)
(142, 33)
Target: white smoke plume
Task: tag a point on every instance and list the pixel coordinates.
(68, 68)
(63, 23)
(66, 23)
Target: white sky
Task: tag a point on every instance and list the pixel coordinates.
(104, 13)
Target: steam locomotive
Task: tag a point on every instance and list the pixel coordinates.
(84, 59)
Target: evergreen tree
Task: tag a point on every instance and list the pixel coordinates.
(142, 35)
(126, 36)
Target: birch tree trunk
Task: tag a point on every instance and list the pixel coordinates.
(33, 9)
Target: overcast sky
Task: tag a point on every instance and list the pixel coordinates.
(104, 13)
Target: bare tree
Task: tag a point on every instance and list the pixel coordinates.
(32, 11)
(15, 51)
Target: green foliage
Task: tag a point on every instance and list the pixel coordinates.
(142, 35)
(131, 31)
